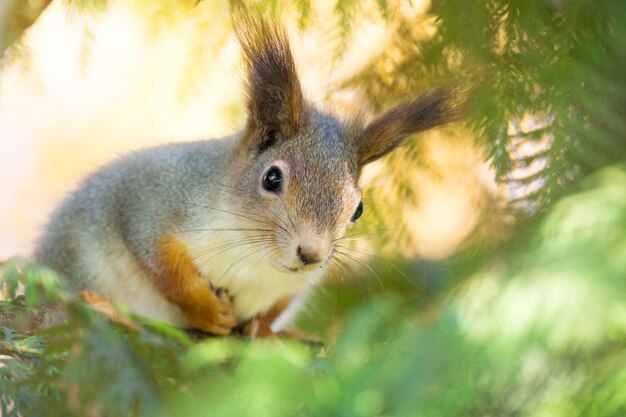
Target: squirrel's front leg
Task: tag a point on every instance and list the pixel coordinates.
(261, 324)
(180, 282)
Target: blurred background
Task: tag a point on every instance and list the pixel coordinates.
(488, 273)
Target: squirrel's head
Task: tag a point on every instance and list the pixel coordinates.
(297, 167)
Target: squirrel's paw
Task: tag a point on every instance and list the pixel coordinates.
(213, 314)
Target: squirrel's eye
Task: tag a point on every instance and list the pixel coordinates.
(272, 180)
(358, 212)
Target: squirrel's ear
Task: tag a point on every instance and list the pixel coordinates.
(390, 129)
(274, 96)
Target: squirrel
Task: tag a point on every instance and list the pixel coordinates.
(231, 233)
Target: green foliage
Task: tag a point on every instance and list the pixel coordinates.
(558, 61)
(84, 362)
(555, 317)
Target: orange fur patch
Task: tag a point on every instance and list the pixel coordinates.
(181, 284)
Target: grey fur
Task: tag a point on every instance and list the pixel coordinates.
(132, 201)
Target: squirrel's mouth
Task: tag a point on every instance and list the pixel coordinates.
(284, 268)
(302, 269)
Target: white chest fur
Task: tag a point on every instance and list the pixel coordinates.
(245, 272)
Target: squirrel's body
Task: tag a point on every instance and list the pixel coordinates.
(216, 233)
(99, 246)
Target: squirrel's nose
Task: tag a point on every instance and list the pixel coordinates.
(308, 255)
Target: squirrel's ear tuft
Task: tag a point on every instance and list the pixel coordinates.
(392, 128)
(275, 101)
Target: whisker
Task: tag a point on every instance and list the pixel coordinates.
(335, 267)
(231, 245)
(240, 258)
(273, 256)
(255, 249)
(287, 212)
(360, 262)
(259, 203)
(223, 211)
(386, 262)
(344, 266)
(237, 241)
(263, 258)
(174, 232)
(230, 229)
(366, 232)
